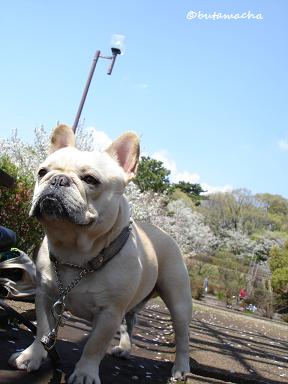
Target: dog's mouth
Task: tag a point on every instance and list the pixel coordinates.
(50, 207)
(55, 206)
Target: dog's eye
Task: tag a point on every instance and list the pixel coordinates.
(91, 180)
(42, 172)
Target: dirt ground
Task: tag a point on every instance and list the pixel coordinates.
(225, 347)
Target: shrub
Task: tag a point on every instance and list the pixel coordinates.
(279, 267)
(263, 300)
(220, 296)
(198, 292)
(213, 288)
(14, 208)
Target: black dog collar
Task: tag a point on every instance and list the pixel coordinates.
(104, 256)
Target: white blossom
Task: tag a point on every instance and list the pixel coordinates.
(176, 218)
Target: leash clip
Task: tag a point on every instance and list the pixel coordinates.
(48, 341)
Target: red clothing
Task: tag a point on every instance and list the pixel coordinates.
(243, 293)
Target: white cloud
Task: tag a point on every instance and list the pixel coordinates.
(175, 175)
(283, 144)
(214, 189)
(191, 177)
(100, 139)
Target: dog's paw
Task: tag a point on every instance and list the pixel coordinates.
(81, 377)
(120, 352)
(26, 360)
(180, 371)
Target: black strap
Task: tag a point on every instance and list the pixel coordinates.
(15, 315)
(108, 253)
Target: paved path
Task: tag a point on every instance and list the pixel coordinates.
(225, 347)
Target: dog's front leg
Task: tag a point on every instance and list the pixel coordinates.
(31, 358)
(105, 326)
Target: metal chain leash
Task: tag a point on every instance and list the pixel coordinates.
(63, 291)
(58, 308)
(49, 340)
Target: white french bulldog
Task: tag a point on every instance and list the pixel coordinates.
(79, 199)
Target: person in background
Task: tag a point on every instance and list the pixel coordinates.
(242, 294)
(205, 285)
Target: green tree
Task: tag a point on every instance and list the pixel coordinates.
(279, 267)
(276, 207)
(152, 176)
(232, 274)
(192, 190)
(236, 210)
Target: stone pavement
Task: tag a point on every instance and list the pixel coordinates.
(225, 348)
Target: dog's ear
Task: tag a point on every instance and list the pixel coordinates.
(125, 150)
(62, 136)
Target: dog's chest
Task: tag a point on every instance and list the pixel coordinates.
(82, 305)
(84, 295)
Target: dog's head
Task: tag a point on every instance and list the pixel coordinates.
(83, 188)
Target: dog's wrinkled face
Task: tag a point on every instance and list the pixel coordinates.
(82, 187)
(70, 182)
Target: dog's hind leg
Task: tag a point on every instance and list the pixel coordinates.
(126, 328)
(125, 345)
(174, 289)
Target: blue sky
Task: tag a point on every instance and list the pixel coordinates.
(208, 97)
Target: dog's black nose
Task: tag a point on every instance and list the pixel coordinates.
(61, 181)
